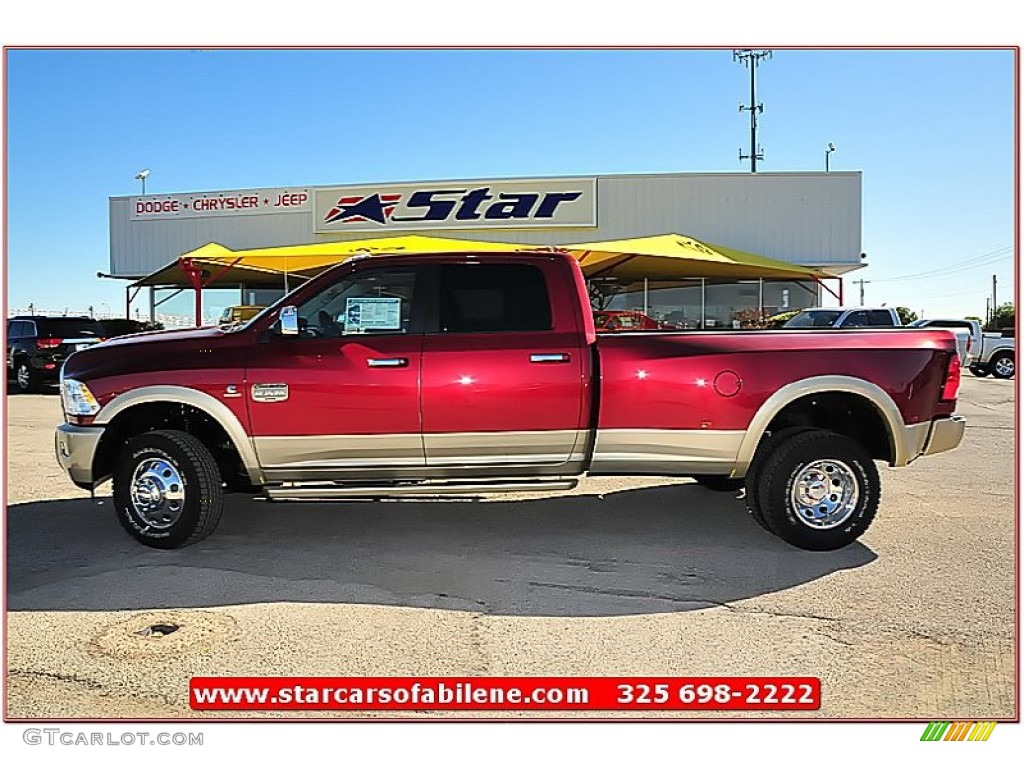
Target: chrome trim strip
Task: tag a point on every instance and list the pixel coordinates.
(204, 402)
(668, 451)
(420, 489)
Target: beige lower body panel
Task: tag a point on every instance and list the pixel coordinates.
(339, 451)
(554, 447)
(450, 455)
(666, 451)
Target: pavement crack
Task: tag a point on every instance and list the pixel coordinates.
(91, 684)
(776, 613)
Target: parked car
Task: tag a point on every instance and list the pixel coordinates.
(987, 353)
(609, 321)
(123, 326)
(478, 373)
(38, 345)
(844, 317)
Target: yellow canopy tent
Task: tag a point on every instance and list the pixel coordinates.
(275, 267)
(673, 260)
(267, 266)
(674, 257)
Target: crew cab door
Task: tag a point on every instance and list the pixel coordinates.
(342, 397)
(505, 369)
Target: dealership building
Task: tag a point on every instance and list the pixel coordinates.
(811, 219)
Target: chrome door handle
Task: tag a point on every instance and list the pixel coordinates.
(387, 362)
(555, 357)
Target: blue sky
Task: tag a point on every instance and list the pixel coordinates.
(932, 132)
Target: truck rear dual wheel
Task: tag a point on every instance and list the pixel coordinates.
(167, 489)
(816, 490)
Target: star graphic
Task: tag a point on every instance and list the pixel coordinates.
(371, 208)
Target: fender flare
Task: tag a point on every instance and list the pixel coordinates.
(215, 409)
(899, 438)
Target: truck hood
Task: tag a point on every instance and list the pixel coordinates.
(171, 334)
(170, 351)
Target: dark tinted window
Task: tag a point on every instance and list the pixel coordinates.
(21, 329)
(70, 328)
(857, 319)
(491, 298)
(13, 329)
(880, 317)
(814, 319)
(947, 324)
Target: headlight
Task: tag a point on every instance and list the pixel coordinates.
(77, 399)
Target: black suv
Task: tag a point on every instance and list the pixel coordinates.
(37, 347)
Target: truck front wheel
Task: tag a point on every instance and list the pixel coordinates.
(167, 489)
(818, 490)
(980, 371)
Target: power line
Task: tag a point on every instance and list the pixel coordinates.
(976, 261)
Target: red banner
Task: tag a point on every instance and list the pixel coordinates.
(505, 693)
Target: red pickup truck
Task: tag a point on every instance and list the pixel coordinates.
(476, 373)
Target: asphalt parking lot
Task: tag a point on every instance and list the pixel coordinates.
(624, 576)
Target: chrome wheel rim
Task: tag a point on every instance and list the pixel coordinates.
(157, 493)
(824, 494)
(23, 376)
(1004, 366)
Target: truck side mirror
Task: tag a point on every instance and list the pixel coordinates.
(289, 317)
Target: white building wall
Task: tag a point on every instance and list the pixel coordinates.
(813, 219)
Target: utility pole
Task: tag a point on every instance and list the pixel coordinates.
(994, 302)
(862, 284)
(751, 59)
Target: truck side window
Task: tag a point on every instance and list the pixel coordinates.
(493, 298)
(858, 319)
(881, 317)
(365, 302)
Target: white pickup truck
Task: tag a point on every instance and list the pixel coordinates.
(987, 353)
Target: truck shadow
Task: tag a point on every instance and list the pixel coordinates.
(653, 550)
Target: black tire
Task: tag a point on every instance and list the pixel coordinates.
(812, 459)
(980, 371)
(180, 513)
(764, 450)
(1002, 365)
(719, 482)
(25, 379)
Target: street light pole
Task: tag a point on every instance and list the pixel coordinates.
(828, 151)
(142, 176)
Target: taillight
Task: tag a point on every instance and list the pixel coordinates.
(952, 384)
(48, 343)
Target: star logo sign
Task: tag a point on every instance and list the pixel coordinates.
(375, 207)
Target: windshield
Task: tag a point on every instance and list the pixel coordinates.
(816, 318)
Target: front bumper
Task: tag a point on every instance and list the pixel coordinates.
(76, 447)
(945, 435)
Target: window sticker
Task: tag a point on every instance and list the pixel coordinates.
(373, 314)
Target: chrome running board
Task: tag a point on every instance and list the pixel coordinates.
(321, 491)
